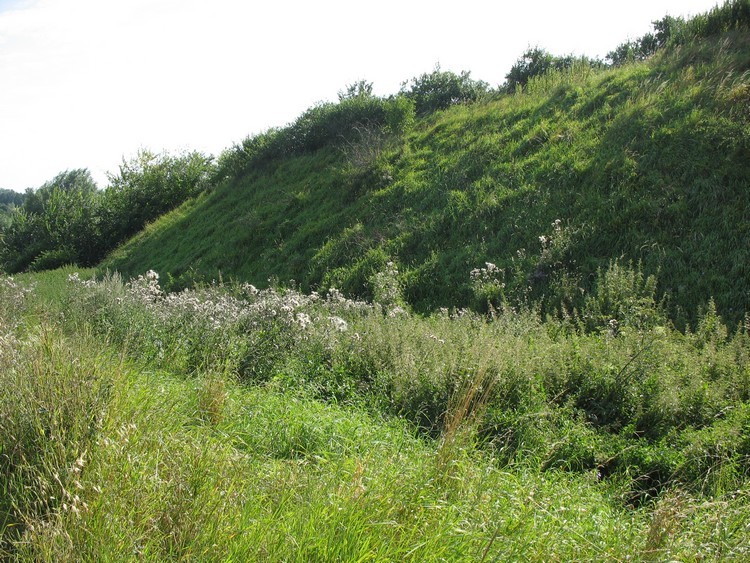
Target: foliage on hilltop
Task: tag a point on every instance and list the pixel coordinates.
(672, 31)
(9, 197)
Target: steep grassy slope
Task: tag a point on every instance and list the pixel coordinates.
(646, 163)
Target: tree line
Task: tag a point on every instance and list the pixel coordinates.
(68, 220)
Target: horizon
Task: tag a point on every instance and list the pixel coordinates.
(88, 85)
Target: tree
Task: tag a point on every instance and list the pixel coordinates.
(359, 89)
(149, 185)
(439, 90)
(640, 49)
(9, 200)
(536, 61)
(57, 224)
(10, 197)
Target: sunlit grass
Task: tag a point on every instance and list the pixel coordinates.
(422, 439)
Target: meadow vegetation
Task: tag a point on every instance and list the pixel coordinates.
(228, 422)
(457, 323)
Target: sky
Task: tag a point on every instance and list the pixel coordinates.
(88, 83)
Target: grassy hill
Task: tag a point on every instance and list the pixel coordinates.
(225, 422)
(647, 164)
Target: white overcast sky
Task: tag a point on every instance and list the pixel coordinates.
(84, 83)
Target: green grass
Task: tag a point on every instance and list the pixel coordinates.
(645, 163)
(596, 407)
(401, 437)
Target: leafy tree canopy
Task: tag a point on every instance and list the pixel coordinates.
(440, 89)
(359, 89)
(536, 61)
(9, 197)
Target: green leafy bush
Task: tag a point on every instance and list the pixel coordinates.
(536, 62)
(438, 90)
(147, 186)
(623, 296)
(670, 31)
(60, 221)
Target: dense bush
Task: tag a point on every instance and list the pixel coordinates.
(356, 116)
(730, 16)
(149, 185)
(10, 197)
(69, 221)
(440, 89)
(9, 200)
(536, 61)
(60, 219)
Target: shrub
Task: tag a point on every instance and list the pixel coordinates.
(439, 90)
(671, 31)
(399, 114)
(623, 296)
(51, 259)
(58, 223)
(147, 186)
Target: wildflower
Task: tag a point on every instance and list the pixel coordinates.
(339, 324)
(334, 295)
(614, 327)
(304, 320)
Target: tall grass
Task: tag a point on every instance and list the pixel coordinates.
(52, 394)
(606, 389)
(371, 434)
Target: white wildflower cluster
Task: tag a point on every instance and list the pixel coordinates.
(304, 320)
(488, 283)
(489, 274)
(217, 308)
(386, 287)
(249, 289)
(336, 301)
(397, 311)
(146, 287)
(339, 324)
(547, 240)
(217, 325)
(75, 278)
(214, 310)
(12, 300)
